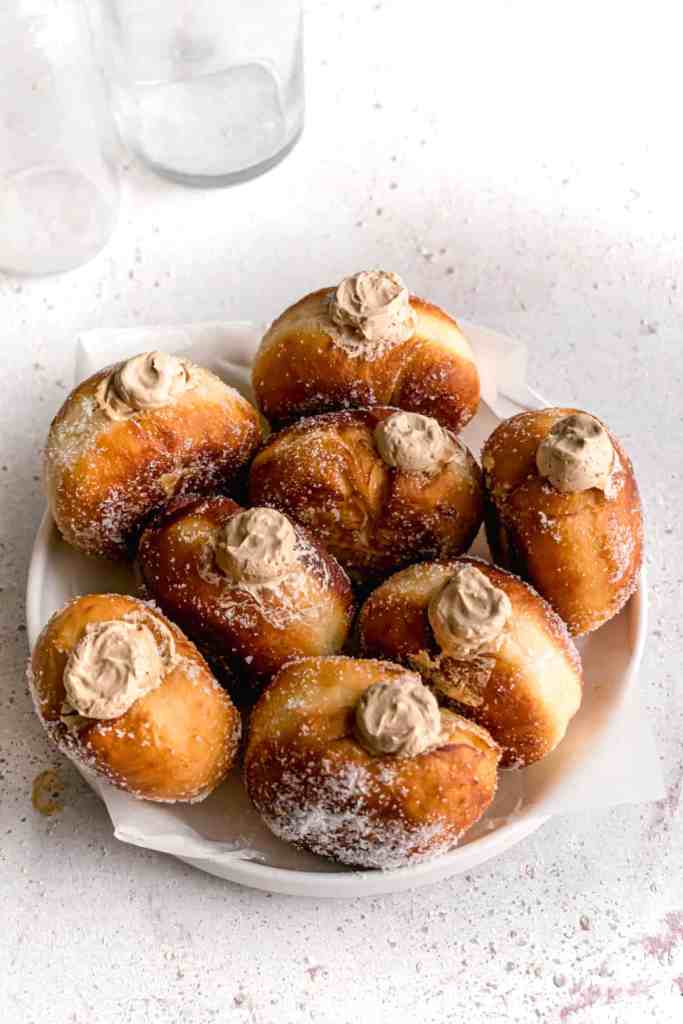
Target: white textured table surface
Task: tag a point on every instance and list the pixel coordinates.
(520, 158)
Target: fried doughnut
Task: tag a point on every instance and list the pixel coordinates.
(122, 692)
(380, 488)
(132, 436)
(573, 529)
(353, 760)
(486, 643)
(251, 588)
(366, 342)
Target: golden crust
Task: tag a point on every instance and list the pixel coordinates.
(326, 472)
(317, 787)
(525, 694)
(104, 478)
(300, 371)
(177, 743)
(247, 636)
(581, 551)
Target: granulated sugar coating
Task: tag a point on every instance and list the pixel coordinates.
(334, 822)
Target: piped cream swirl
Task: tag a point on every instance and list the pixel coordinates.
(400, 718)
(147, 381)
(258, 546)
(373, 310)
(576, 454)
(468, 615)
(414, 443)
(114, 664)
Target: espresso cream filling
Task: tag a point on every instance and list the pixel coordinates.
(414, 443)
(400, 718)
(258, 546)
(113, 665)
(371, 313)
(148, 381)
(576, 454)
(469, 614)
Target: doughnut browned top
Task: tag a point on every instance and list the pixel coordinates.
(300, 371)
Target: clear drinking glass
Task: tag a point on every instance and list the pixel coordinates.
(59, 188)
(207, 92)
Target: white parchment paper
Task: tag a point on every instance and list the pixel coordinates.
(608, 756)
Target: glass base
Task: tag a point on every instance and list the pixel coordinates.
(222, 180)
(53, 219)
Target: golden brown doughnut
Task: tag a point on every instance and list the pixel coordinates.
(304, 366)
(105, 476)
(247, 630)
(525, 693)
(327, 473)
(316, 785)
(581, 550)
(176, 742)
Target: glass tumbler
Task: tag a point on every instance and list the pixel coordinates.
(207, 92)
(59, 187)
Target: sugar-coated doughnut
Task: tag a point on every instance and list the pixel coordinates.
(366, 342)
(250, 587)
(563, 512)
(380, 487)
(353, 760)
(125, 694)
(136, 434)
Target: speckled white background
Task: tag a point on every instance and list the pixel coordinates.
(514, 159)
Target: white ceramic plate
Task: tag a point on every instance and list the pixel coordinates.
(224, 835)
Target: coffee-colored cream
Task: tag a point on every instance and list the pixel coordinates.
(414, 443)
(400, 718)
(148, 381)
(373, 310)
(468, 615)
(113, 665)
(576, 454)
(257, 546)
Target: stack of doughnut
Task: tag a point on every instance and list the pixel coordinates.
(377, 746)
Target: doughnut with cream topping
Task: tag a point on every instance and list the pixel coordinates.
(352, 759)
(251, 587)
(563, 511)
(379, 487)
(366, 341)
(124, 693)
(486, 644)
(131, 437)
